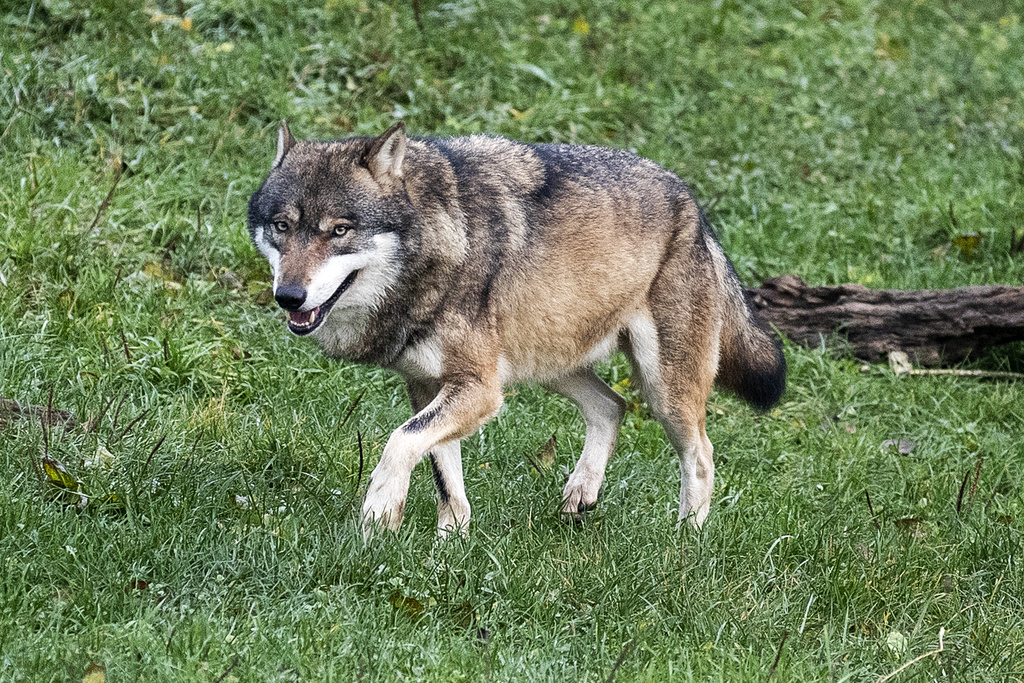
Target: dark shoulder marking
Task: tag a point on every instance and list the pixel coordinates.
(421, 420)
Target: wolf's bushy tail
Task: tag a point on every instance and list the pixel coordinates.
(750, 363)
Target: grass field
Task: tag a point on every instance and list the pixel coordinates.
(865, 522)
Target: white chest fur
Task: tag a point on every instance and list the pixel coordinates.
(421, 360)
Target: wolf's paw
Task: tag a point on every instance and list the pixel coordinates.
(383, 509)
(452, 523)
(695, 517)
(579, 496)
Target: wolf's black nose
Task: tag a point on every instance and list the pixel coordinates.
(290, 297)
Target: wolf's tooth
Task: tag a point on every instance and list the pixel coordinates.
(312, 316)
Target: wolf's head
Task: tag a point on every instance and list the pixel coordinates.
(330, 219)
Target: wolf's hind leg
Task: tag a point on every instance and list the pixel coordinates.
(676, 377)
(602, 411)
(696, 467)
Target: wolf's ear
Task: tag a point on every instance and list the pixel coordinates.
(285, 142)
(384, 158)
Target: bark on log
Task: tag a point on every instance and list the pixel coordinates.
(933, 326)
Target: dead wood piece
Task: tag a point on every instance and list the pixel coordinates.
(11, 410)
(933, 326)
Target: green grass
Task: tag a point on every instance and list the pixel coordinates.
(829, 139)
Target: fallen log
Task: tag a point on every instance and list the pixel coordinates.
(933, 326)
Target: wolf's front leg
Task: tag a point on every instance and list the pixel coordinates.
(446, 464)
(452, 503)
(460, 408)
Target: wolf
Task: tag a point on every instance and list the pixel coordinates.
(466, 264)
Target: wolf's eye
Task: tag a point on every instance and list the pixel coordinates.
(340, 229)
(281, 226)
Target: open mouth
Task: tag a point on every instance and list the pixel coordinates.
(304, 322)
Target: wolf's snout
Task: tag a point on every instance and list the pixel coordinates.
(290, 297)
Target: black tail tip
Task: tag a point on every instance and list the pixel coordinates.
(759, 379)
(763, 389)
